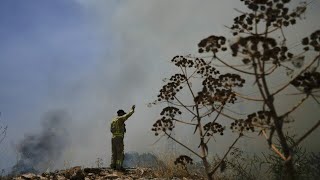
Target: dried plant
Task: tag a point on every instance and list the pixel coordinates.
(266, 57)
(263, 56)
(216, 92)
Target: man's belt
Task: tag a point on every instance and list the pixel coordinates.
(117, 134)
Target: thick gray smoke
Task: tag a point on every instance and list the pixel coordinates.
(38, 152)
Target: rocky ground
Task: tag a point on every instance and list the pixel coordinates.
(78, 173)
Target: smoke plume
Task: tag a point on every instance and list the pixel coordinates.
(39, 152)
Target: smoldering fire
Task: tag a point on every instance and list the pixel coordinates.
(39, 151)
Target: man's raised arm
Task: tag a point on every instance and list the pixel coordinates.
(126, 116)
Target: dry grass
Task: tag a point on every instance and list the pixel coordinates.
(167, 169)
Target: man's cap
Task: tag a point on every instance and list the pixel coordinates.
(120, 112)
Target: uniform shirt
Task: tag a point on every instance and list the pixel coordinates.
(117, 124)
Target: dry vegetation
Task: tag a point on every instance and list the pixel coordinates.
(238, 165)
(199, 94)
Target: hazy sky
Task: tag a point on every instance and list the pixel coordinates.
(93, 57)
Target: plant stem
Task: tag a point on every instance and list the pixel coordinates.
(183, 145)
(306, 134)
(225, 155)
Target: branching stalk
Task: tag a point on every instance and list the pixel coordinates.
(302, 71)
(184, 106)
(225, 155)
(183, 145)
(295, 107)
(274, 148)
(306, 134)
(184, 122)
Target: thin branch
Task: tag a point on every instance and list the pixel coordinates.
(239, 11)
(228, 116)
(157, 140)
(286, 67)
(215, 109)
(184, 106)
(306, 134)
(183, 145)
(184, 122)
(234, 112)
(230, 66)
(274, 148)
(256, 34)
(270, 70)
(208, 113)
(225, 155)
(179, 104)
(314, 98)
(295, 107)
(300, 93)
(209, 139)
(257, 80)
(302, 71)
(255, 24)
(219, 112)
(215, 119)
(194, 72)
(248, 98)
(187, 81)
(284, 37)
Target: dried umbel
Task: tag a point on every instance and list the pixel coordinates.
(229, 80)
(212, 44)
(223, 96)
(204, 68)
(260, 119)
(219, 90)
(169, 90)
(219, 97)
(212, 128)
(313, 41)
(162, 125)
(307, 81)
(170, 111)
(268, 13)
(181, 61)
(272, 12)
(204, 98)
(183, 160)
(241, 126)
(216, 87)
(166, 122)
(262, 48)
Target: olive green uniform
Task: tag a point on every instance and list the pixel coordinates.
(118, 130)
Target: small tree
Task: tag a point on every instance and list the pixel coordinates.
(264, 57)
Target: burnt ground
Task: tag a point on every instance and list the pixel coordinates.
(78, 173)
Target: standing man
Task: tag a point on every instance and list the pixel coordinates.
(118, 129)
